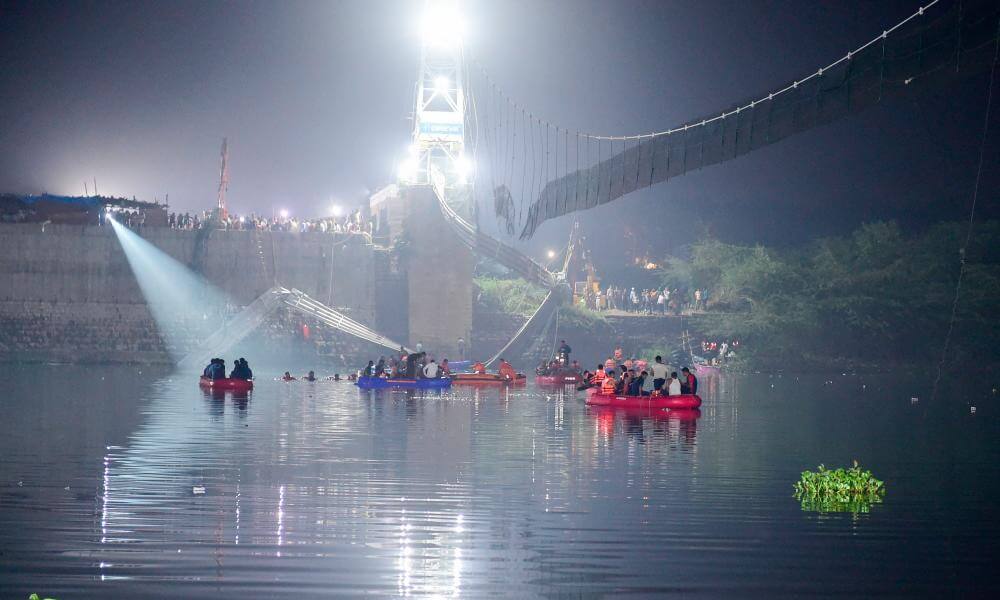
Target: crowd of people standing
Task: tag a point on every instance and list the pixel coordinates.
(353, 223)
(647, 301)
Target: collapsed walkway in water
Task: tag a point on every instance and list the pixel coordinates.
(254, 315)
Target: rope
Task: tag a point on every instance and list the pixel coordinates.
(963, 251)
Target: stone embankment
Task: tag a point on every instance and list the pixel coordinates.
(68, 294)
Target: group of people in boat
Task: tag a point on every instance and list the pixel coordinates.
(413, 365)
(627, 380)
(560, 365)
(216, 369)
(418, 365)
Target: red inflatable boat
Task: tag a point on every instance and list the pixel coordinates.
(565, 378)
(486, 379)
(682, 402)
(236, 385)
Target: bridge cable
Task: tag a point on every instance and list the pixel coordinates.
(963, 251)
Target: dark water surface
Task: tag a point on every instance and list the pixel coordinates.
(114, 485)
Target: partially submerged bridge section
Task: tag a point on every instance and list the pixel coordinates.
(257, 312)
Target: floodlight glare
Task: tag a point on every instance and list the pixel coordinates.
(408, 169)
(442, 24)
(337, 210)
(552, 254)
(463, 166)
(284, 214)
(441, 85)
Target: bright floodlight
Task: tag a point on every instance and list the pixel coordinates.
(463, 168)
(552, 253)
(408, 169)
(441, 85)
(442, 24)
(337, 210)
(284, 214)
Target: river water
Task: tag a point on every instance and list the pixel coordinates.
(118, 483)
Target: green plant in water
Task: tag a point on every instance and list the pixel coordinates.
(839, 490)
(37, 597)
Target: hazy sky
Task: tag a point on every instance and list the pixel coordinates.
(315, 97)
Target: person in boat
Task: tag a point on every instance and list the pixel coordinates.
(689, 383)
(575, 366)
(608, 384)
(431, 370)
(610, 364)
(380, 366)
(212, 371)
(479, 368)
(445, 368)
(673, 385)
(659, 373)
(542, 369)
(311, 376)
(564, 351)
(506, 370)
(635, 386)
(598, 377)
(623, 382)
(241, 370)
(287, 377)
(369, 370)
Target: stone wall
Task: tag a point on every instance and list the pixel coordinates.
(67, 292)
(439, 271)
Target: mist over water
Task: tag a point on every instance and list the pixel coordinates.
(128, 483)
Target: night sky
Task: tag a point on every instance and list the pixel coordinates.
(315, 97)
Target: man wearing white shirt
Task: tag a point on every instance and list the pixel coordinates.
(431, 370)
(659, 373)
(674, 385)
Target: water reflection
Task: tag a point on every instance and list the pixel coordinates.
(317, 489)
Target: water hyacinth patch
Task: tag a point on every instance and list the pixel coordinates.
(839, 490)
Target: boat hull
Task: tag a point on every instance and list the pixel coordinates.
(486, 379)
(571, 379)
(682, 402)
(236, 385)
(377, 383)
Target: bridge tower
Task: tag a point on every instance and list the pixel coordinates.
(438, 266)
(437, 151)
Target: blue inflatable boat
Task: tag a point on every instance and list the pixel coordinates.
(375, 383)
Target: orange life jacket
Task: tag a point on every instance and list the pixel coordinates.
(608, 386)
(479, 368)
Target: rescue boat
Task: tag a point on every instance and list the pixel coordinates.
(375, 383)
(560, 378)
(681, 402)
(236, 385)
(487, 379)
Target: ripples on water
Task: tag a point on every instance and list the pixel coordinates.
(117, 485)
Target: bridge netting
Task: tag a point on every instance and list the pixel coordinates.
(261, 309)
(534, 170)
